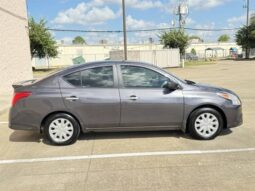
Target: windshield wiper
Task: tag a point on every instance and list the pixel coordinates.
(190, 82)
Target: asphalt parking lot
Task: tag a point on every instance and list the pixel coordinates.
(144, 160)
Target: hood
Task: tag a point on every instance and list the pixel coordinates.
(210, 88)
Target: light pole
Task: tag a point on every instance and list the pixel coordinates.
(124, 29)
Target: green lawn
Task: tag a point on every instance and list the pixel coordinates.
(45, 72)
(42, 73)
(198, 63)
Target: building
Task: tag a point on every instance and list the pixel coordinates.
(68, 53)
(214, 50)
(15, 55)
(164, 58)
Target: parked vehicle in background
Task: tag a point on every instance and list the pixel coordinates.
(190, 56)
(121, 96)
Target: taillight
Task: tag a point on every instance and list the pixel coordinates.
(18, 96)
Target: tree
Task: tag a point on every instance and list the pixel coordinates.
(223, 38)
(252, 19)
(192, 37)
(193, 51)
(245, 37)
(175, 39)
(42, 44)
(79, 40)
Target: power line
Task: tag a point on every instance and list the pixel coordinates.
(139, 30)
(222, 29)
(13, 14)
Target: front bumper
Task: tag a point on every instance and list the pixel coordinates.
(234, 116)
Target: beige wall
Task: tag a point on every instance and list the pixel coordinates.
(89, 52)
(101, 52)
(15, 60)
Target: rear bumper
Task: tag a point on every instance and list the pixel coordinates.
(22, 120)
(22, 127)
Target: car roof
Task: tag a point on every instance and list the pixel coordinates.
(100, 63)
(76, 68)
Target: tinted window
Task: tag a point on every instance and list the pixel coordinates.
(134, 76)
(74, 79)
(97, 77)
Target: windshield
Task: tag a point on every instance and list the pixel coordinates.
(176, 77)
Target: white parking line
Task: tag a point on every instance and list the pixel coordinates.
(122, 155)
(4, 122)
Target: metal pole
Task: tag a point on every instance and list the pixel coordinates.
(180, 19)
(124, 29)
(247, 24)
(248, 12)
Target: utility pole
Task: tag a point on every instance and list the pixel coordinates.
(182, 13)
(247, 53)
(248, 12)
(124, 29)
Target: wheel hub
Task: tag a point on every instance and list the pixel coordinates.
(206, 125)
(61, 130)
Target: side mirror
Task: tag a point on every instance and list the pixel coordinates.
(170, 85)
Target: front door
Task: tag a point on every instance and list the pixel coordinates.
(92, 95)
(144, 103)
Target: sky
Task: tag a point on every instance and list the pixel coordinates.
(141, 14)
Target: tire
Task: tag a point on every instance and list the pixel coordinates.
(61, 129)
(205, 123)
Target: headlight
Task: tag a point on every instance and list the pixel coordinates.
(235, 100)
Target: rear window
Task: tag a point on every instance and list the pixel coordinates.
(99, 77)
(74, 78)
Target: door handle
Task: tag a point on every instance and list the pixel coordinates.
(133, 97)
(72, 98)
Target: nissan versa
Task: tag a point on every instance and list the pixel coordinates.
(120, 96)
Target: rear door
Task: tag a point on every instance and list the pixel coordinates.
(144, 103)
(92, 95)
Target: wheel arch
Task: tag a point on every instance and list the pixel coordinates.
(217, 108)
(57, 112)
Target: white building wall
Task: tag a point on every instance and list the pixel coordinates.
(161, 58)
(102, 52)
(89, 52)
(15, 56)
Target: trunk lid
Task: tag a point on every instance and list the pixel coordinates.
(17, 85)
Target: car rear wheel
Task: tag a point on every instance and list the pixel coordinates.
(61, 129)
(205, 123)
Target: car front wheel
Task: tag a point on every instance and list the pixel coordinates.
(61, 129)
(205, 123)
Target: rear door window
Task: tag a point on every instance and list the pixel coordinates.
(99, 77)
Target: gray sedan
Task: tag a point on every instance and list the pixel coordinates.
(121, 96)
